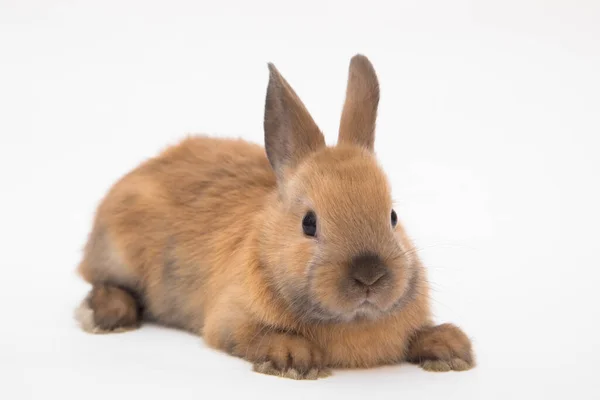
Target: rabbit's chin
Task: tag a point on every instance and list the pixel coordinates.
(363, 312)
(367, 308)
(367, 311)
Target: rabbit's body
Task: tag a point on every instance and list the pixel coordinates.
(178, 218)
(207, 237)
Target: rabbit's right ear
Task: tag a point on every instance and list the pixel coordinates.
(290, 132)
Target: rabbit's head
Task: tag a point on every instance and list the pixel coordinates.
(331, 244)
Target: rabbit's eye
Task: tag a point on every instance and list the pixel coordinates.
(309, 224)
(394, 219)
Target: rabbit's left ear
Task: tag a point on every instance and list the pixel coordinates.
(357, 125)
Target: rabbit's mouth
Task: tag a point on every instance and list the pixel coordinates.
(373, 308)
(368, 305)
(366, 310)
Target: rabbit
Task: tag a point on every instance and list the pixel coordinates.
(289, 256)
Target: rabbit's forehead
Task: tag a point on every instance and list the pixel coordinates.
(338, 186)
(363, 189)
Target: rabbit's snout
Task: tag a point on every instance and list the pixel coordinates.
(367, 270)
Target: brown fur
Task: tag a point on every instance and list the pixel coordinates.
(113, 307)
(441, 348)
(208, 236)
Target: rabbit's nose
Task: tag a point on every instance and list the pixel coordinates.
(367, 269)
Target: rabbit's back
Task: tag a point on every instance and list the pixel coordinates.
(169, 229)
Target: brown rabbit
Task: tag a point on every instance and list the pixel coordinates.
(291, 258)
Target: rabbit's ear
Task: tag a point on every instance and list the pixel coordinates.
(357, 125)
(290, 132)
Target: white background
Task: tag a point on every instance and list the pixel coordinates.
(488, 128)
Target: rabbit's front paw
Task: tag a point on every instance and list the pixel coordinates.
(441, 348)
(288, 356)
